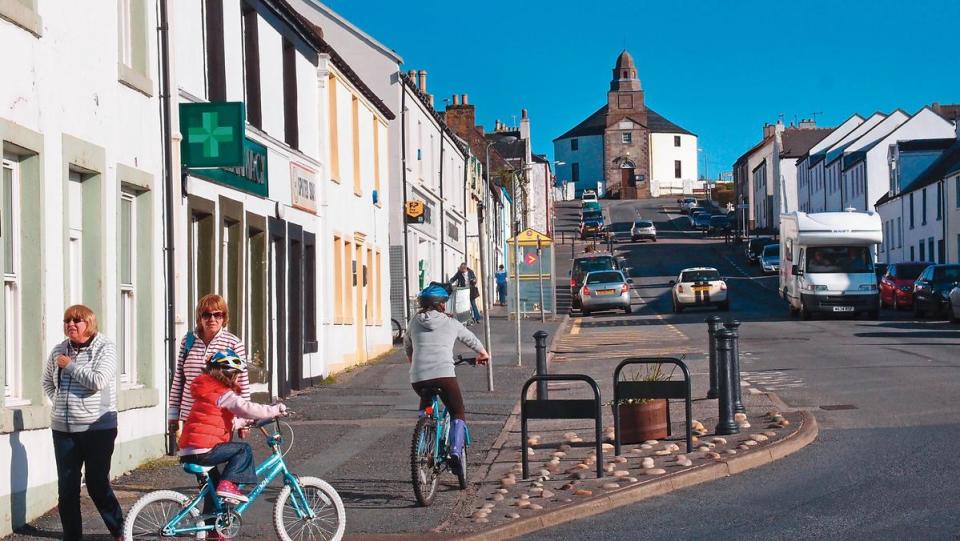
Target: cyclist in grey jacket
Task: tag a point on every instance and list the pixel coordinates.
(431, 335)
(79, 378)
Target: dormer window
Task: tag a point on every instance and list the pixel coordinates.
(626, 137)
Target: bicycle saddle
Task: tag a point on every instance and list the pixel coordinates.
(196, 468)
(430, 392)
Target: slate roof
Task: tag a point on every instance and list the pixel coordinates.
(596, 123)
(799, 141)
(947, 164)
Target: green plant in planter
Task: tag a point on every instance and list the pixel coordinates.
(649, 372)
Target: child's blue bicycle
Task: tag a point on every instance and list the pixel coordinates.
(306, 508)
(429, 454)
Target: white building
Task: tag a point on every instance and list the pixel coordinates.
(82, 184)
(809, 177)
(825, 170)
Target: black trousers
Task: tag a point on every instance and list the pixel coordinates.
(92, 451)
(449, 393)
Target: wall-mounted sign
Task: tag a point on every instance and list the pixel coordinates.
(251, 177)
(303, 187)
(414, 212)
(213, 134)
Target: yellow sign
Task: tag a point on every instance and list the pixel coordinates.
(530, 237)
(414, 212)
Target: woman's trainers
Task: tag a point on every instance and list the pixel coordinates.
(228, 490)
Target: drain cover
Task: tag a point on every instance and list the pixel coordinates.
(835, 407)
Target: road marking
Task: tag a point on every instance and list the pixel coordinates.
(575, 330)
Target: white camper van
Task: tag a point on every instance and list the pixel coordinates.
(826, 262)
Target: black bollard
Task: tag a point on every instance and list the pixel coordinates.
(734, 327)
(713, 324)
(727, 423)
(540, 337)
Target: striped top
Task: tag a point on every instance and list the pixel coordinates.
(181, 401)
(84, 392)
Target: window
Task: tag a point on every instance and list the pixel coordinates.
(377, 288)
(923, 251)
(291, 130)
(75, 240)
(368, 292)
(133, 45)
(231, 271)
(338, 283)
(216, 66)
(310, 289)
(941, 248)
(913, 254)
(202, 255)
(956, 191)
(939, 201)
(626, 137)
(899, 232)
(911, 211)
(575, 172)
(22, 13)
(676, 140)
(258, 309)
(355, 131)
(334, 143)
(9, 236)
(677, 169)
(350, 275)
(376, 157)
(127, 341)
(923, 207)
(930, 248)
(251, 66)
(575, 145)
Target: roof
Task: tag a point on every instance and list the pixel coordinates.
(949, 111)
(596, 124)
(926, 144)
(746, 155)
(625, 61)
(512, 150)
(458, 141)
(314, 35)
(316, 4)
(947, 164)
(799, 141)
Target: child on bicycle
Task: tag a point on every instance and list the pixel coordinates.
(431, 335)
(217, 410)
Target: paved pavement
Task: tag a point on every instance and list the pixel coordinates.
(881, 392)
(355, 434)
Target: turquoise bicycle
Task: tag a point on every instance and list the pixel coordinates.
(307, 507)
(429, 455)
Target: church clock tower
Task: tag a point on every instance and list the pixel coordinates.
(626, 138)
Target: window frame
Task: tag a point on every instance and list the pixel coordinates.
(677, 169)
(12, 317)
(574, 144)
(626, 137)
(676, 141)
(127, 340)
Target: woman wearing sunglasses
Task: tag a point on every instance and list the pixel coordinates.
(79, 378)
(209, 337)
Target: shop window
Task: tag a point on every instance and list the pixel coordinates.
(10, 238)
(355, 132)
(255, 334)
(334, 128)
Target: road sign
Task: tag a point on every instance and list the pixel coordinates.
(530, 259)
(743, 206)
(213, 134)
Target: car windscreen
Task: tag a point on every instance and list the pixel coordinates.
(644, 224)
(583, 266)
(592, 214)
(719, 219)
(699, 276)
(839, 259)
(908, 271)
(947, 274)
(604, 277)
(771, 250)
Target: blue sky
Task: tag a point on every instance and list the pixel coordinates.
(718, 68)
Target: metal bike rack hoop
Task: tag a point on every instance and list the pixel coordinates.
(676, 389)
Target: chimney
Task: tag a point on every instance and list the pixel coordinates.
(412, 75)
(463, 99)
(456, 99)
(430, 100)
(769, 130)
(807, 124)
(524, 125)
(422, 80)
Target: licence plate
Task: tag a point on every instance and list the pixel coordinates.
(843, 309)
(606, 292)
(701, 289)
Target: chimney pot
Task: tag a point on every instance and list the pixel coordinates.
(430, 100)
(412, 74)
(456, 99)
(523, 113)
(423, 80)
(463, 99)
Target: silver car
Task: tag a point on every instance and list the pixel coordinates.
(605, 290)
(770, 259)
(619, 231)
(643, 230)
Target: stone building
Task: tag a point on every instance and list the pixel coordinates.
(625, 148)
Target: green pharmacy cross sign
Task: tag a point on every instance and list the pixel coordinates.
(213, 134)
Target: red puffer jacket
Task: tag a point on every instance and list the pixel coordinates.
(208, 424)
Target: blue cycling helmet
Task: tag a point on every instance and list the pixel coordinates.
(227, 360)
(435, 292)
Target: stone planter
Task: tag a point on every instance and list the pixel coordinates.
(641, 422)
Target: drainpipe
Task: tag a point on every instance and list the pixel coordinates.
(466, 170)
(403, 174)
(443, 217)
(166, 112)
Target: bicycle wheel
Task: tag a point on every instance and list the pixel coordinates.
(329, 521)
(423, 462)
(152, 512)
(462, 472)
(397, 330)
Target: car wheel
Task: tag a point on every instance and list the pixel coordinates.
(805, 314)
(954, 318)
(917, 310)
(584, 312)
(676, 307)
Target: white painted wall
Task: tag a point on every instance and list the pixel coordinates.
(589, 156)
(663, 153)
(952, 212)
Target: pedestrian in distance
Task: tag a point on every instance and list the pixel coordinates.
(431, 335)
(501, 286)
(217, 410)
(465, 277)
(79, 378)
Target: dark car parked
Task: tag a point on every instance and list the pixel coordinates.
(719, 225)
(585, 264)
(932, 289)
(755, 248)
(701, 222)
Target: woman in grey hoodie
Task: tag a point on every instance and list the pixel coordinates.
(431, 335)
(80, 379)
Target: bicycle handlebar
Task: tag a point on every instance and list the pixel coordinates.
(460, 359)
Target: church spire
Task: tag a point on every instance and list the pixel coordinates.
(625, 74)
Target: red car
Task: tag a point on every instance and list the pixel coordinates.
(896, 286)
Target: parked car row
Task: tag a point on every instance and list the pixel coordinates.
(931, 290)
